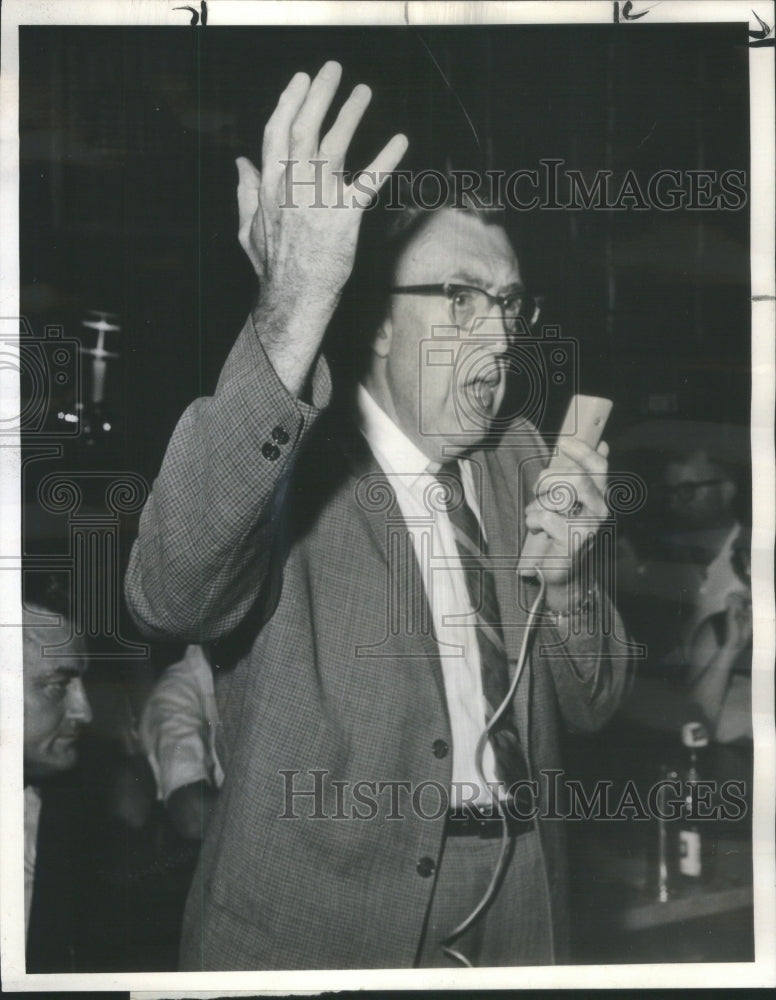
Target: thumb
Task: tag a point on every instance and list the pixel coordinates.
(248, 183)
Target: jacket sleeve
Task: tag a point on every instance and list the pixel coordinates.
(592, 666)
(204, 552)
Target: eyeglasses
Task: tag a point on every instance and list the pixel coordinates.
(685, 492)
(519, 309)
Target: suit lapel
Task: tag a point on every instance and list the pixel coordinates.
(374, 501)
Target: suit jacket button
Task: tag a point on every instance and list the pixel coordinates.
(280, 434)
(439, 748)
(270, 451)
(426, 867)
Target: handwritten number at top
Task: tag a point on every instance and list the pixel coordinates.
(196, 16)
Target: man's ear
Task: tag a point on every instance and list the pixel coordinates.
(381, 344)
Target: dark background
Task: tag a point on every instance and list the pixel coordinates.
(128, 140)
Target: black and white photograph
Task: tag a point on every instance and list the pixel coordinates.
(388, 477)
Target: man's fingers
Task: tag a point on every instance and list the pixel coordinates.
(372, 178)
(306, 126)
(591, 461)
(388, 158)
(275, 146)
(562, 492)
(558, 491)
(335, 143)
(556, 528)
(584, 476)
(292, 131)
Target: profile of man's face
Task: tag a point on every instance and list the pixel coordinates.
(55, 702)
(446, 384)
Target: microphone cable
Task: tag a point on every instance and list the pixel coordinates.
(498, 871)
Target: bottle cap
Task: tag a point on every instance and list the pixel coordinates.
(694, 734)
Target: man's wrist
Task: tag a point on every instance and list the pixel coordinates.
(295, 312)
(291, 342)
(571, 600)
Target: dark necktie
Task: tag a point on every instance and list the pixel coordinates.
(494, 667)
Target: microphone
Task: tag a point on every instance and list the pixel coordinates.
(585, 420)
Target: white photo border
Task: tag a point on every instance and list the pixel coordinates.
(761, 972)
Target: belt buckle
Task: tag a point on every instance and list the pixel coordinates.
(474, 822)
(489, 826)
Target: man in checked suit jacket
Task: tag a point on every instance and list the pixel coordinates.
(287, 524)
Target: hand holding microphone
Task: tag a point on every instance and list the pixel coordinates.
(571, 487)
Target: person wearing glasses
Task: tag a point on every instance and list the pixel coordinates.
(350, 556)
(699, 497)
(715, 645)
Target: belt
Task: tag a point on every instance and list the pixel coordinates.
(484, 823)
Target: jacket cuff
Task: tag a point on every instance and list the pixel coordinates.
(275, 418)
(579, 640)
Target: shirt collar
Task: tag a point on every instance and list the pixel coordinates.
(726, 550)
(390, 445)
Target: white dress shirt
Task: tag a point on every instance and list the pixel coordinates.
(410, 473)
(31, 822)
(178, 726)
(719, 581)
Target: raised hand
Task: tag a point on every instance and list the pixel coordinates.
(299, 221)
(738, 621)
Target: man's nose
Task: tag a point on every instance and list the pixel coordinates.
(493, 332)
(78, 707)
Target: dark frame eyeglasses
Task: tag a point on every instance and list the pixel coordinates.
(686, 491)
(519, 309)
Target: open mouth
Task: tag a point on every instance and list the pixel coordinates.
(67, 737)
(483, 390)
